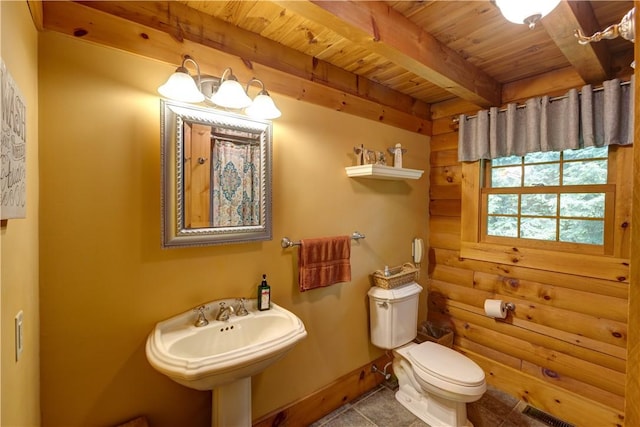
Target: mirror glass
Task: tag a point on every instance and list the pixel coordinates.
(216, 176)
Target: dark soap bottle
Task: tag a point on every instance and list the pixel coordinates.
(264, 294)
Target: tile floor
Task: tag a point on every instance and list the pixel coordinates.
(379, 408)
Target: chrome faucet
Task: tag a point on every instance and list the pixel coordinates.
(224, 312)
(201, 320)
(240, 308)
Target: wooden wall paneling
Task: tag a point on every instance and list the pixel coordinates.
(582, 370)
(443, 125)
(569, 406)
(555, 296)
(446, 224)
(453, 108)
(564, 349)
(589, 284)
(470, 202)
(446, 175)
(593, 393)
(445, 208)
(460, 293)
(444, 158)
(443, 273)
(555, 83)
(543, 374)
(461, 343)
(445, 233)
(575, 328)
(624, 185)
(444, 240)
(445, 141)
(440, 192)
(606, 355)
(599, 329)
(602, 267)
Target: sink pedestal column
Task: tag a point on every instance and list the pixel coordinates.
(231, 404)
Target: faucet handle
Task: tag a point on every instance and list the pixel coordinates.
(241, 310)
(201, 320)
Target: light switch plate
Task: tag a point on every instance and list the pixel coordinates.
(19, 335)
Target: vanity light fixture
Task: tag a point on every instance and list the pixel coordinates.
(223, 91)
(230, 94)
(263, 106)
(525, 11)
(181, 86)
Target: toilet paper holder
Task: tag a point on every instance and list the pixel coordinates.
(498, 309)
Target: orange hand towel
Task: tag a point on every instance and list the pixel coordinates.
(323, 262)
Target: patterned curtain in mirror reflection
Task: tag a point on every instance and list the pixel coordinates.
(236, 183)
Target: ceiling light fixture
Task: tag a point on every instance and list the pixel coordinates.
(224, 92)
(527, 12)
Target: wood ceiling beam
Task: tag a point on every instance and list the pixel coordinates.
(379, 28)
(591, 61)
(166, 31)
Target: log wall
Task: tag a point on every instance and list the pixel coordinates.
(564, 348)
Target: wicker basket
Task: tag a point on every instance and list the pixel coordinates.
(400, 275)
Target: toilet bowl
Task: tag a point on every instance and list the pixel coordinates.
(435, 382)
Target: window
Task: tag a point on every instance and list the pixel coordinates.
(549, 198)
(564, 212)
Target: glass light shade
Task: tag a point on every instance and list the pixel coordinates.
(263, 107)
(526, 11)
(230, 94)
(181, 87)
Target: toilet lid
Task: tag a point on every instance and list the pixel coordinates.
(446, 364)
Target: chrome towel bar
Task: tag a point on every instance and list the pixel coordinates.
(287, 243)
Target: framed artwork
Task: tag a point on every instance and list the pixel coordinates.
(13, 168)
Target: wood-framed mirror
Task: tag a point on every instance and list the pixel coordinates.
(216, 176)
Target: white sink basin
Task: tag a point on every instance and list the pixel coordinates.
(221, 352)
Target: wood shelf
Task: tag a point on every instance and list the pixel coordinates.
(382, 172)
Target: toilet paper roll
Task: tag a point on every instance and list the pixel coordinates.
(495, 308)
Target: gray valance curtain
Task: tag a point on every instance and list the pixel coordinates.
(590, 117)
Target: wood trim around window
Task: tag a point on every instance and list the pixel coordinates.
(613, 265)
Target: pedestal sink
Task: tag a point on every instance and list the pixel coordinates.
(223, 355)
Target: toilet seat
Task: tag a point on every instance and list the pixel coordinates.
(431, 360)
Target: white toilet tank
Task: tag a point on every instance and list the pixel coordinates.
(393, 315)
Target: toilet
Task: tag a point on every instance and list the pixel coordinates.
(435, 382)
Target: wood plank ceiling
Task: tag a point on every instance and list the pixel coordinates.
(402, 55)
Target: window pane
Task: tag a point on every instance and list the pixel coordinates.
(583, 173)
(538, 228)
(506, 226)
(506, 161)
(582, 231)
(587, 205)
(542, 157)
(540, 175)
(506, 177)
(505, 204)
(586, 153)
(539, 204)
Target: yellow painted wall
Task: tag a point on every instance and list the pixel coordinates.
(105, 281)
(19, 237)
